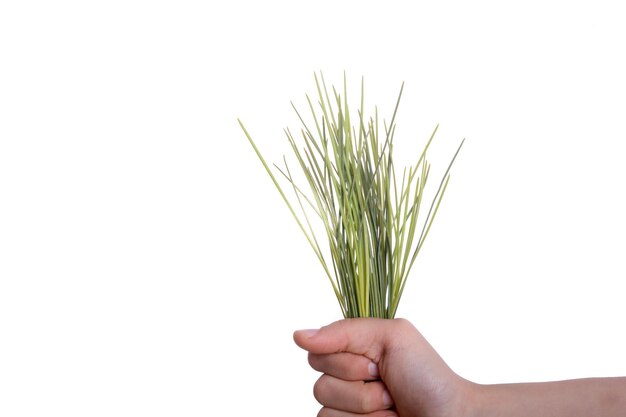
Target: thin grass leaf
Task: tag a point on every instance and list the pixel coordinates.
(370, 219)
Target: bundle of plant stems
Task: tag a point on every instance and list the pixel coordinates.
(374, 221)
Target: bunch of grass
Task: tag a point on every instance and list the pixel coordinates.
(372, 217)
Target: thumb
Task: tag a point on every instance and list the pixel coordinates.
(363, 336)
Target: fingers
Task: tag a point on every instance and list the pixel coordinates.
(346, 366)
(352, 396)
(330, 412)
(363, 336)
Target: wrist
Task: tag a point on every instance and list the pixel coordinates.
(468, 400)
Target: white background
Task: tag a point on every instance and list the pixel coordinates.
(148, 266)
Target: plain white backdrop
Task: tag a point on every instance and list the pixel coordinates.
(148, 266)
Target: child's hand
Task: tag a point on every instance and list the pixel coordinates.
(409, 379)
(404, 374)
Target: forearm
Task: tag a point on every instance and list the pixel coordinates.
(601, 397)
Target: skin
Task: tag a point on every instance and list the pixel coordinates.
(385, 368)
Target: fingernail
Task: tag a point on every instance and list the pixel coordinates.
(387, 399)
(308, 332)
(373, 370)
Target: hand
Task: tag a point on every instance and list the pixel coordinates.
(403, 371)
(407, 378)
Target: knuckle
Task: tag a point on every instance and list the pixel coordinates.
(323, 412)
(404, 326)
(366, 404)
(318, 388)
(403, 323)
(371, 397)
(313, 360)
